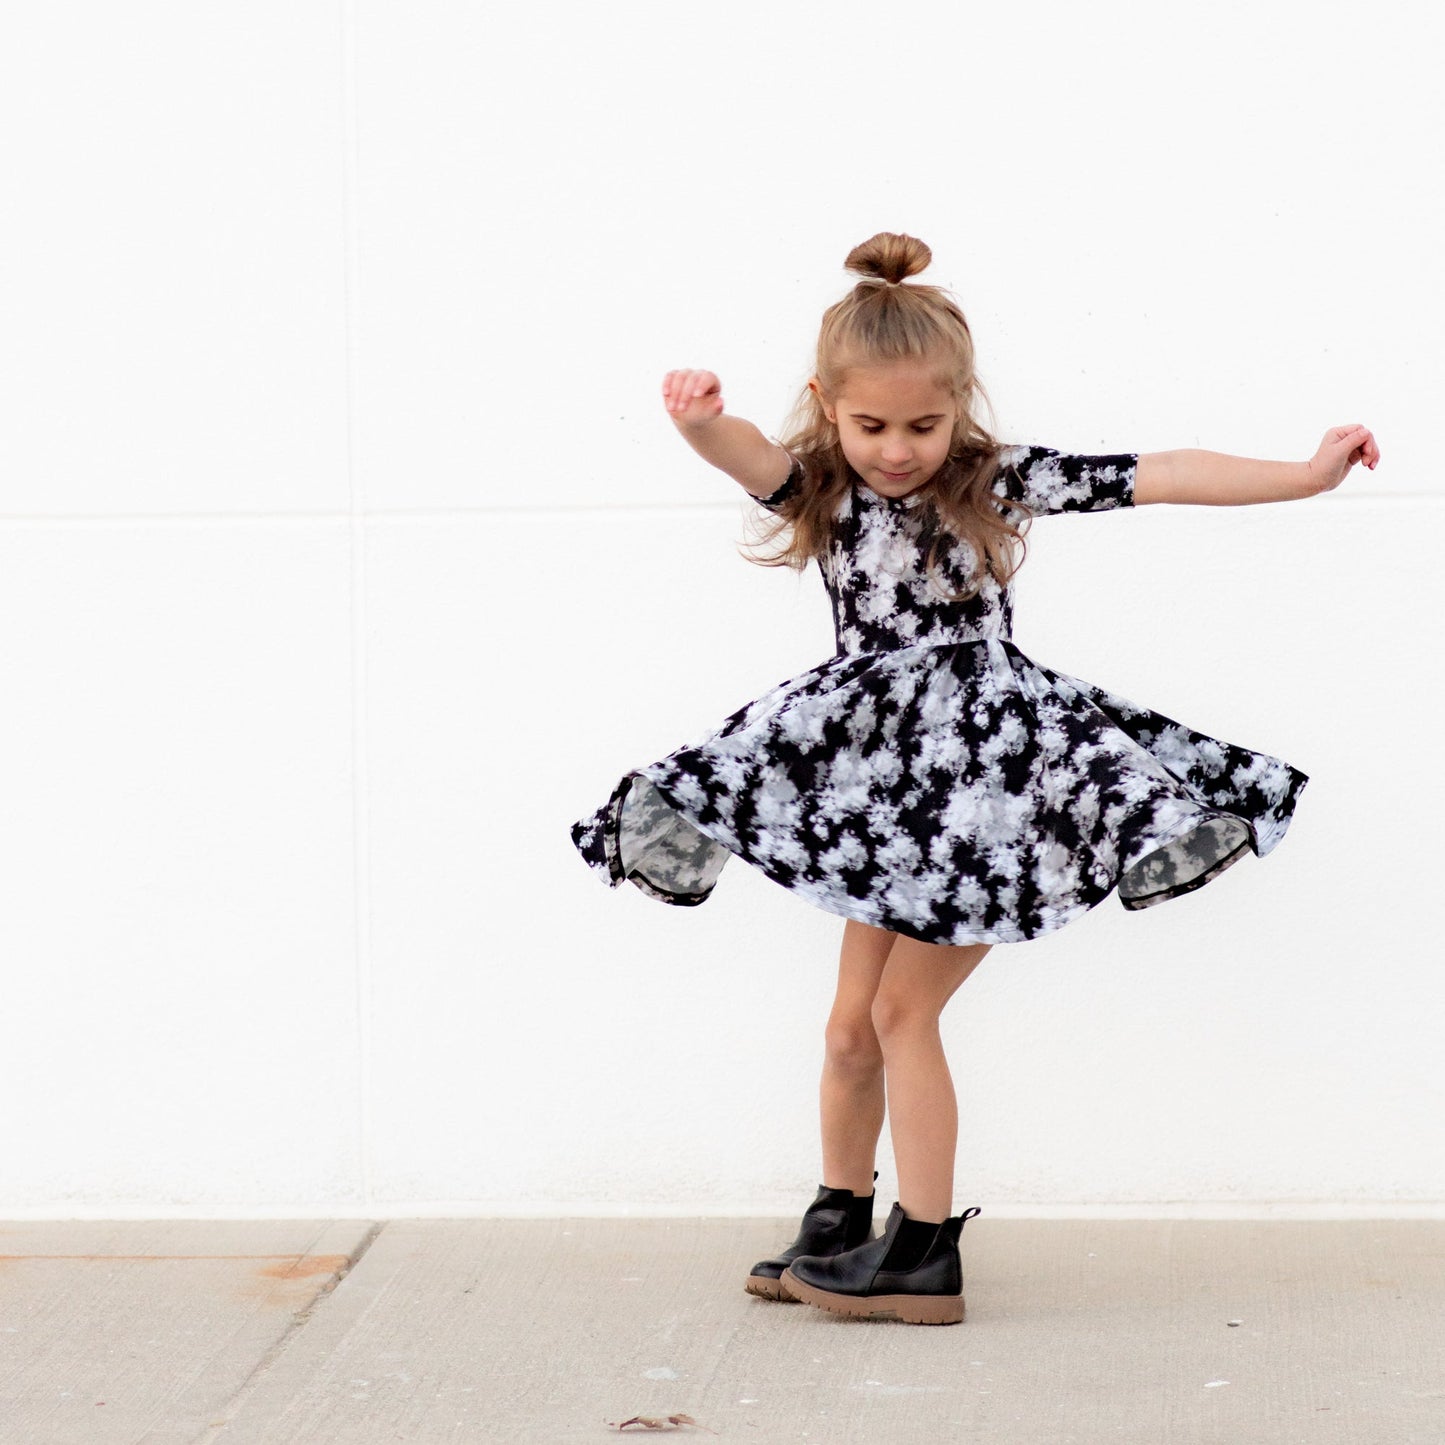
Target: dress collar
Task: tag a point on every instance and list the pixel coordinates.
(905, 503)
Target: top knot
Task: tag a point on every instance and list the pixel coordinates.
(889, 257)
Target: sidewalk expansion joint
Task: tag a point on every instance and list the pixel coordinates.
(298, 1323)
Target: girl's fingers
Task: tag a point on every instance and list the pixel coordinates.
(682, 390)
(674, 389)
(697, 386)
(1363, 438)
(1355, 438)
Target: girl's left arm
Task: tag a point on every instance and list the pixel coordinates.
(1214, 479)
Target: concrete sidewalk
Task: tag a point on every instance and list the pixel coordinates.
(1079, 1332)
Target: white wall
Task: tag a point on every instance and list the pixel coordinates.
(347, 556)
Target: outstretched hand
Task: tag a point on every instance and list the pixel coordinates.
(692, 396)
(1342, 447)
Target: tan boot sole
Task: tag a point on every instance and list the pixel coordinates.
(765, 1288)
(912, 1309)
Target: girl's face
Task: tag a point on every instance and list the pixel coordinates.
(895, 422)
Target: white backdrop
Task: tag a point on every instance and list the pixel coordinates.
(347, 556)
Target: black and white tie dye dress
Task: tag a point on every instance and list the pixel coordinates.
(930, 778)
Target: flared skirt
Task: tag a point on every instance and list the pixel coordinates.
(954, 793)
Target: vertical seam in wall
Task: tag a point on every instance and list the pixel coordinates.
(360, 812)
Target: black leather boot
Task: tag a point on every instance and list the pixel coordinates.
(868, 1283)
(836, 1220)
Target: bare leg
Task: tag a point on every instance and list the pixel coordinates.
(850, 1096)
(918, 980)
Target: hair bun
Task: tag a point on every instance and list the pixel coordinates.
(889, 257)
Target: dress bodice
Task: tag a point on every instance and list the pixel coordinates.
(875, 569)
(877, 578)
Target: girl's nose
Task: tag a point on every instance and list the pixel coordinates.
(895, 451)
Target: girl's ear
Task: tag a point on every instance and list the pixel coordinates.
(827, 408)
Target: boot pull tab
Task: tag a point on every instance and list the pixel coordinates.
(970, 1213)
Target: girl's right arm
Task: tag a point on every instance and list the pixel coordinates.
(694, 402)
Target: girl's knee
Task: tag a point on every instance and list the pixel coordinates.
(895, 1013)
(852, 1044)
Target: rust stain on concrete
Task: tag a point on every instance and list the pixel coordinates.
(307, 1266)
(12, 1258)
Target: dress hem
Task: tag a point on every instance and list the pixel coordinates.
(1052, 920)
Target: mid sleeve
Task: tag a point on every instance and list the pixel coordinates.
(791, 482)
(1050, 481)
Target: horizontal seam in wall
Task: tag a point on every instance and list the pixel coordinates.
(435, 513)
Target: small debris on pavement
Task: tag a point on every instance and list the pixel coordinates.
(662, 1422)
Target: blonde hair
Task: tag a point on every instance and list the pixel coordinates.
(880, 320)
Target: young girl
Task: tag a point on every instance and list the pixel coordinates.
(929, 782)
